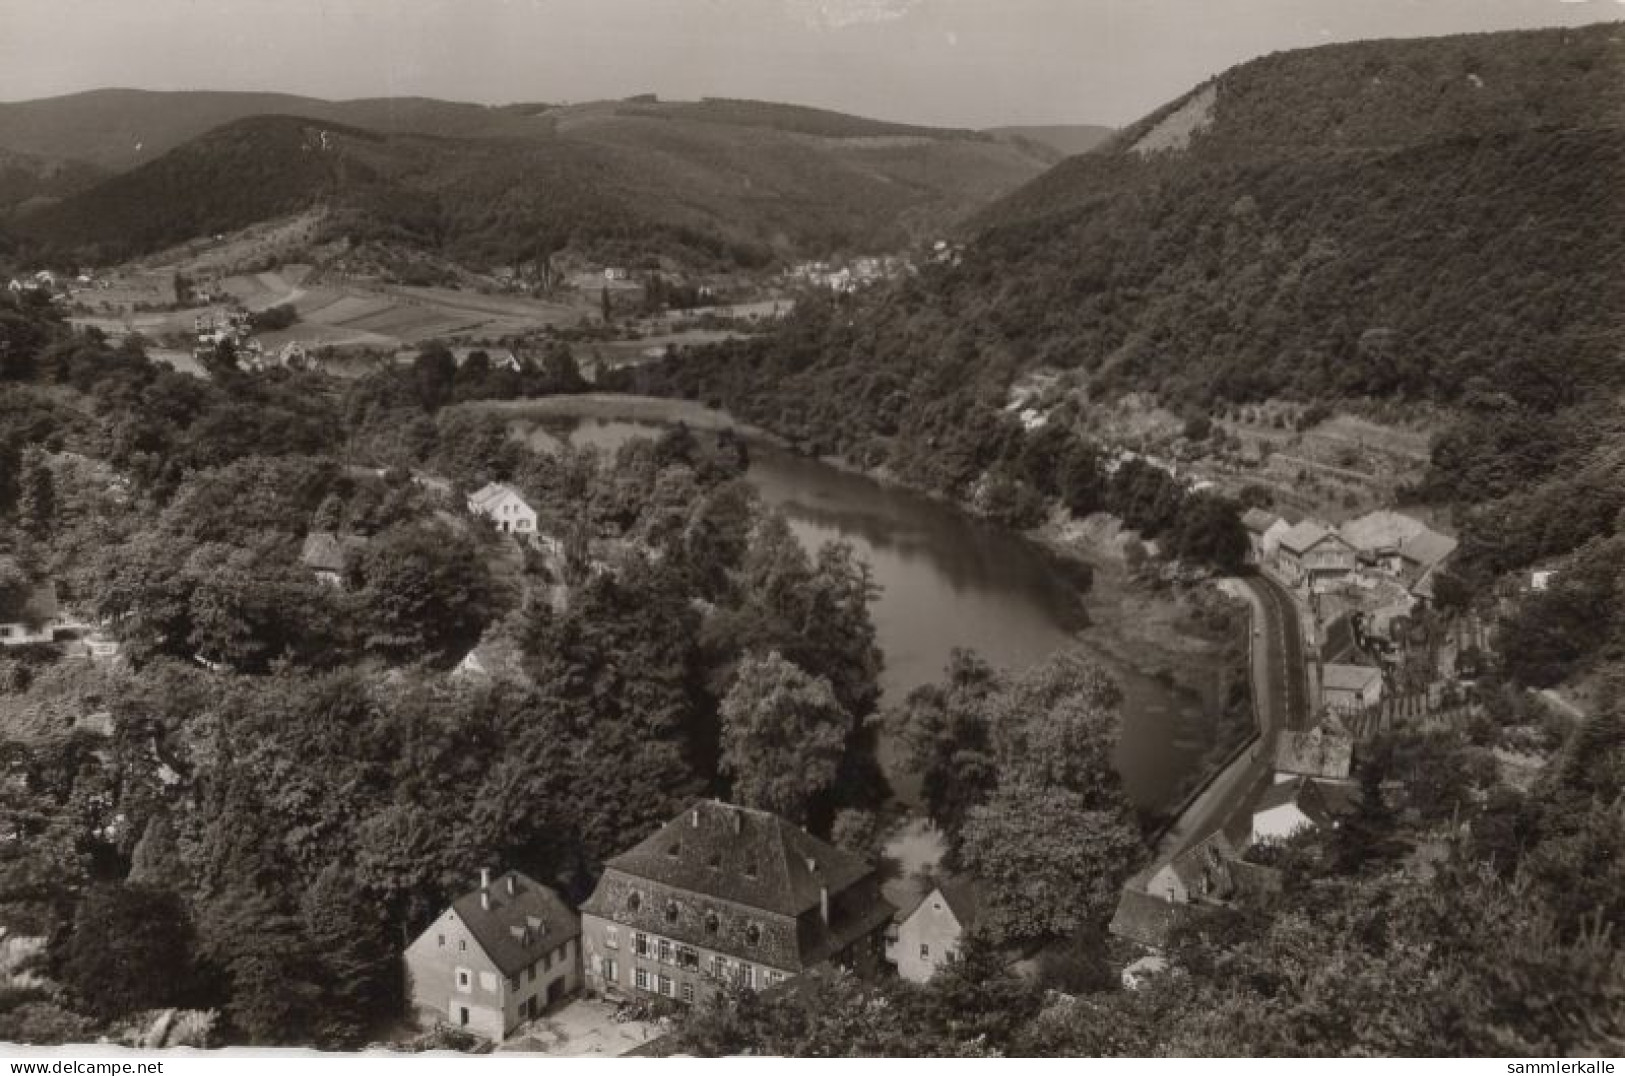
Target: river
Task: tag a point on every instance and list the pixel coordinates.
(946, 580)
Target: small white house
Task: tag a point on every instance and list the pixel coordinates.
(1287, 809)
(503, 505)
(931, 934)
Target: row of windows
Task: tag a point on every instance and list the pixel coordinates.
(488, 980)
(722, 969)
(753, 932)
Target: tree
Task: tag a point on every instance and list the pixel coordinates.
(131, 948)
(36, 493)
(434, 372)
(426, 593)
(947, 741)
(783, 735)
(1051, 863)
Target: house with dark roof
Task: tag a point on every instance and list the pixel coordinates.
(1201, 872)
(728, 895)
(500, 955)
(930, 934)
(1150, 920)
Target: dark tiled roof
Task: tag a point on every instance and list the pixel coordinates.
(1204, 868)
(962, 899)
(965, 901)
(518, 927)
(1150, 921)
(749, 857)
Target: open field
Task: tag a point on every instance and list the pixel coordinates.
(339, 314)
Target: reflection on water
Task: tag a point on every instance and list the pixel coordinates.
(946, 581)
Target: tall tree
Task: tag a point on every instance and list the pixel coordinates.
(783, 735)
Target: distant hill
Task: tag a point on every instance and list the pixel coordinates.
(27, 180)
(711, 181)
(1428, 220)
(116, 129)
(1066, 140)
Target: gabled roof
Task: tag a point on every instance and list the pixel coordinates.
(497, 656)
(1381, 530)
(491, 493)
(1303, 793)
(1258, 520)
(518, 927)
(1203, 868)
(749, 857)
(961, 898)
(1316, 753)
(1348, 677)
(1150, 921)
(1305, 536)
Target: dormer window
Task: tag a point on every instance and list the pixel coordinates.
(671, 911)
(712, 923)
(750, 868)
(753, 935)
(634, 901)
(675, 850)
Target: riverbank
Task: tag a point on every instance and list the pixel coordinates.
(951, 579)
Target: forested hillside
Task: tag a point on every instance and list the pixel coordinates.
(710, 182)
(1426, 220)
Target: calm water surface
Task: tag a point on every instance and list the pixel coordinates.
(946, 581)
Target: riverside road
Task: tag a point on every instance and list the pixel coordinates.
(1281, 697)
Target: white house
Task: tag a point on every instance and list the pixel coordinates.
(931, 934)
(1287, 809)
(497, 957)
(503, 505)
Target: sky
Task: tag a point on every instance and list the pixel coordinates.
(962, 63)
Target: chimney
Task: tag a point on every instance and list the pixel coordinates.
(823, 903)
(812, 865)
(694, 818)
(510, 885)
(485, 878)
(485, 899)
(739, 821)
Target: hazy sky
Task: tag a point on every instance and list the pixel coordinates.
(950, 62)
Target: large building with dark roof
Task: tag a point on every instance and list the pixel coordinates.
(500, 955)
(728, 895)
